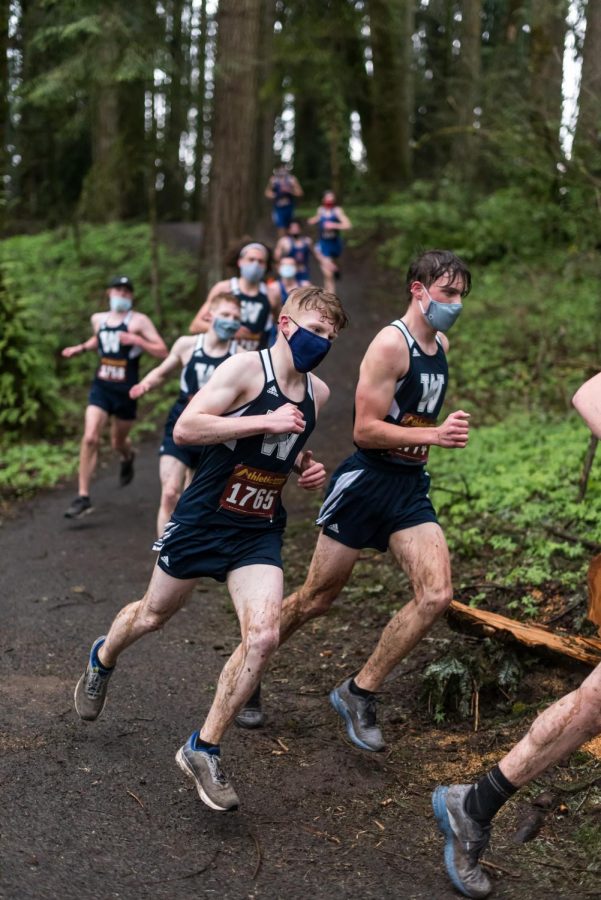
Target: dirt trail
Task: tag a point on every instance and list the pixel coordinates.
(101, 810)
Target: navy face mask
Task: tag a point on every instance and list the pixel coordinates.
(307, 349)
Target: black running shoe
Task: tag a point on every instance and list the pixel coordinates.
(81, 506)
(251, 715)
(126, 472)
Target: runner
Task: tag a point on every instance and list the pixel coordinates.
(198, 357)
(278, 291)
(331, 220)
(464, 812)
(120, 336)
(259, 309)
(283, 189)
(379, 498)
(301, 247)
(254, 416)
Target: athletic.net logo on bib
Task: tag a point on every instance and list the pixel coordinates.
(418, 454)
(252, 492)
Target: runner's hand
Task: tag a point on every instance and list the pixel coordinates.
(138, 389)
(454, 430)
(68, 352)
(285, 420)
(127, 339)
(312, 474)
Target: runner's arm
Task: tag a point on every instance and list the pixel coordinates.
(90, 344)
(274, 295)
(385, 361)
(279, 249)
(587, 402)
(296, 188)
(315, 219)
(234, 383)
(344, 224)
(158, 375)
(143, 334)
(202, 320)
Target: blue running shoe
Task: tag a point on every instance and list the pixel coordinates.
(359, 715)
(465, 840)
(90, 691)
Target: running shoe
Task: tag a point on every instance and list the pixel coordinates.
(90, 691)
(359, 716)
(204, 768)
(466, 840)
(126, 472)
(251, 715)
(81, 506)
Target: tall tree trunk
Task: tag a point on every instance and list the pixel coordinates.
(102, 195)
(546, 73)
(172, 194)
(269, 99)
(464, 148)
(587, 140)
(4, 108)
(200, 145)
(231, 191)
(390, 30)
(151, 175)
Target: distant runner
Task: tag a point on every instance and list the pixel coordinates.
(331, 221)
(283, 189)
(301, 247)
(253, 418)
(121, 335)
(379, 496)
(259, 309)
(198, 356)
(464, 812)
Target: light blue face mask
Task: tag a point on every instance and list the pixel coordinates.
(440, 316)
(119, 303)
(287, 270)
(252, 271)
(225, 329)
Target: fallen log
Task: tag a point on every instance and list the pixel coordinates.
(594, 591)
(586, 650)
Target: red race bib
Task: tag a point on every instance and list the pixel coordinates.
(253, 492)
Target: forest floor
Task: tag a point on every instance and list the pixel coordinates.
(101, 810)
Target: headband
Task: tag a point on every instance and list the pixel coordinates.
(254, 246)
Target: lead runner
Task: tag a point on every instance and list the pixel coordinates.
(255, 416)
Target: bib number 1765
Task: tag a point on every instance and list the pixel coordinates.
(251, 491)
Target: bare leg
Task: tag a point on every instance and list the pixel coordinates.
(94, 422)
(330, 569)
(164, 596)
(172, 473)
(256, 592)
(558, 731)
(423, 554)
(120, 437)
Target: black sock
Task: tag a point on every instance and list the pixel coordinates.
(486, 798)
(199, 744)
(359, 692)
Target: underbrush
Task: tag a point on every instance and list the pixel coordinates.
(51, 284)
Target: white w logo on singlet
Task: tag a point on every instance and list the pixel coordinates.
(203, 373)
(432, 386)
(250, 311)
(109, 341)
(282, 443)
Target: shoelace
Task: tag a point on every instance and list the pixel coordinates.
(217, 773)
(94, 682)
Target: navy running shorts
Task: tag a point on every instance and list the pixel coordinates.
(113, 400)
(189, 456)
(186, 552)
(365, 503)
(282, 215)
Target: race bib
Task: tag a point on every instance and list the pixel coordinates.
(112, 370)
(419, 453)
(253, 492)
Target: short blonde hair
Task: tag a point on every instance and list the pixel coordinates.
(224, 295)
(312, 297)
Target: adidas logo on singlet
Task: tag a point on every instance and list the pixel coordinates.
(415, 351)
(334, 528)
(165, 559)
(273, 390)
